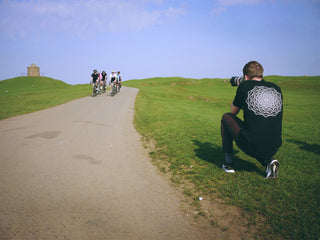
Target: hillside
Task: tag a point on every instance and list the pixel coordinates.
(28, 94)
(180, 118)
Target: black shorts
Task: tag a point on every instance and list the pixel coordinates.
(232, 129)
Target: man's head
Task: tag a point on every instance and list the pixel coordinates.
(253, 70)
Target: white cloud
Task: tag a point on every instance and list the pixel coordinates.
(218, 10)
(232, 2)
(82, 17)
(222, 5)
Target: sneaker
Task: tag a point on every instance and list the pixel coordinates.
(228, 167)
(272, 169)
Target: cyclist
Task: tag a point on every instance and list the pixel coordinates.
(94, 78)
(119, 80)
(103, 80)
(113, 79)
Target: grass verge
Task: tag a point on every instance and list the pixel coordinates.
(23, 95)
(183, 117)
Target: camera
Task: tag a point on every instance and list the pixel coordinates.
(235, 81)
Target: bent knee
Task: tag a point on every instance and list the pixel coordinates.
(227, 116)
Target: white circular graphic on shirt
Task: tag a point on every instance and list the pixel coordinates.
(264, 101)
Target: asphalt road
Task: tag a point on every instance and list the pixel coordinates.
(79, 171)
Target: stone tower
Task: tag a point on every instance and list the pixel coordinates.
(33, 71)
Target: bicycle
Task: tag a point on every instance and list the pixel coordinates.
(114, 89)
(96, 90)
(103, 88)
(119, 86)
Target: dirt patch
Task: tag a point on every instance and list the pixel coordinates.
(46, 135)
(209, 213)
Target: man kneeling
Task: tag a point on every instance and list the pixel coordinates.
(259, 134)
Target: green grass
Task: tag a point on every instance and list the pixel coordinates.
(23, 95)
(183, 117)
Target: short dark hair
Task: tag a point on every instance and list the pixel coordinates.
(253, 69)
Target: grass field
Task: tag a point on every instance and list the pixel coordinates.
(28, 94)
(183, 117)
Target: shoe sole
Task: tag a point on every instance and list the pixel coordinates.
(228, 171)
(274, 166)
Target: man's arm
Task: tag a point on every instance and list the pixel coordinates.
(234, 110)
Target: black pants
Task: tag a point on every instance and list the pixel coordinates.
(231, 126)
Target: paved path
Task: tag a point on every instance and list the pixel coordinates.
(79, 171)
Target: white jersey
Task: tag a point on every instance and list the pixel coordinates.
(113, 77)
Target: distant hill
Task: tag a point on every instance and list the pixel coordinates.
(25, 83)
(22, 95)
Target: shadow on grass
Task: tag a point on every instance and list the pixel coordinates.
(214, 154)
(314, 148)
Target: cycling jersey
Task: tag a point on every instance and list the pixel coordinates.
(94, 76)
(104, 76)
(113, 78)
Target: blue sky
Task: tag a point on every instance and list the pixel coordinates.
(67, 39)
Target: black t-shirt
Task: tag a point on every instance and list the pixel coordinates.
(104, 75)
(94, 76)
(262, 104)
